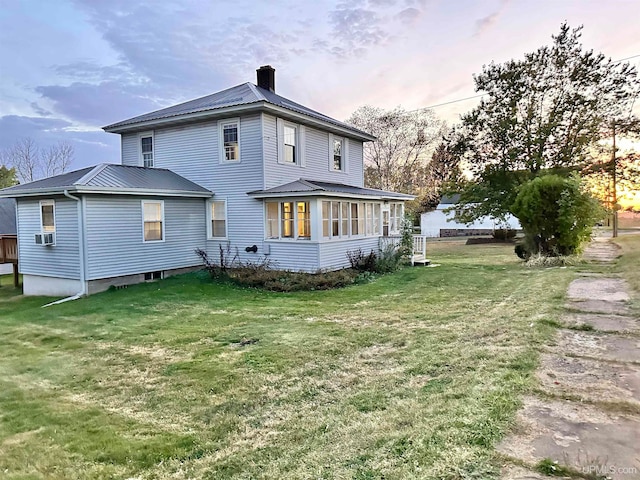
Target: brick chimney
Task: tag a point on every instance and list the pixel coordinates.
(267, 78)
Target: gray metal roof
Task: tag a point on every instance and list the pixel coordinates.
(450, 199)
(244, 94)
(110, 178)
(8, 216)
(306, 187)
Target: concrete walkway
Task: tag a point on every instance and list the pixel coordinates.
(586, 416)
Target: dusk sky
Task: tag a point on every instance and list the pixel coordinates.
(67, 68)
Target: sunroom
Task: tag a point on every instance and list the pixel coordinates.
(320, 222)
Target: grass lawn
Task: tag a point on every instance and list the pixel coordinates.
(416, 375)
(629, 264)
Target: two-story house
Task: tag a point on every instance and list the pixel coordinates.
(244, 168)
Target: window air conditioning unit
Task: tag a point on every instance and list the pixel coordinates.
(44, 238)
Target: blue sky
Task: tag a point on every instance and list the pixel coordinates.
(68, 67)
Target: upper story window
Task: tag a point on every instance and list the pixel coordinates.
(337, 153)
(338, 160)
(146, 149)
(291, 138)
(47, 216)
(230, 140)
(290, 153)
(218, 215)
(153, 221)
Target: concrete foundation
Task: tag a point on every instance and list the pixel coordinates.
(65, 287)
(49, 286)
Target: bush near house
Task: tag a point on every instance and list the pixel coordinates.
(261, 275)
(556, 214)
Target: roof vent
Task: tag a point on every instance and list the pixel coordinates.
(267, 78)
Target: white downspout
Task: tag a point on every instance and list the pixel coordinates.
(83, 282)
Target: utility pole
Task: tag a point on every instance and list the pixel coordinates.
(614, 192)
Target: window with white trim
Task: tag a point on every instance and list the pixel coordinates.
(218, 219)
(288, 219)
(352, 219)
(336, 219)
(146, 149)
(338, 154)
(396, 214)
(290, 143)
(153, 220)
(355, 215)
(272, 220)
(47, 216)
(230, 140)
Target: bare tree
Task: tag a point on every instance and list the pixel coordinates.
(398, 160)
(56, 159)
(31, 162)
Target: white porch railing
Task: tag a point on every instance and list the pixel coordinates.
(419, 252)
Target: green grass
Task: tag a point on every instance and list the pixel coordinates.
(628, 263)
(416, 375)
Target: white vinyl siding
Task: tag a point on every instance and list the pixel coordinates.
(129, 149)
(118, 250)
(61, 260)
(314, 149)
(333, 255)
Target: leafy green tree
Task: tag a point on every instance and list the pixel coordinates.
(8, 177)
(542, 114)
(556, 214)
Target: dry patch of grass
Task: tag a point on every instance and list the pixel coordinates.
(415, 375)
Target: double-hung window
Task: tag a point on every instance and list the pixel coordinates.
(146, 149)
(290, 144)
(230, 140)
(218, 218)
(338, 147)
(338, 152)
(47, 216)
(153, 220)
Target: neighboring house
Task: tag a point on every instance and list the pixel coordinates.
(244, 169)
(440, 223)
(7, 228)
(7, 216)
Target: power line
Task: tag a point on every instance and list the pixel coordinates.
(483, 94)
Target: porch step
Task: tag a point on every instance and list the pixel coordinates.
(420, 260)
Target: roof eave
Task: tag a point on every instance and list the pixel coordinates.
(236, 109)
(39, 192)
(324, 193)
(182, 118)
(308, 119)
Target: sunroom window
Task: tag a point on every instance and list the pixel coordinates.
(290, 219)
